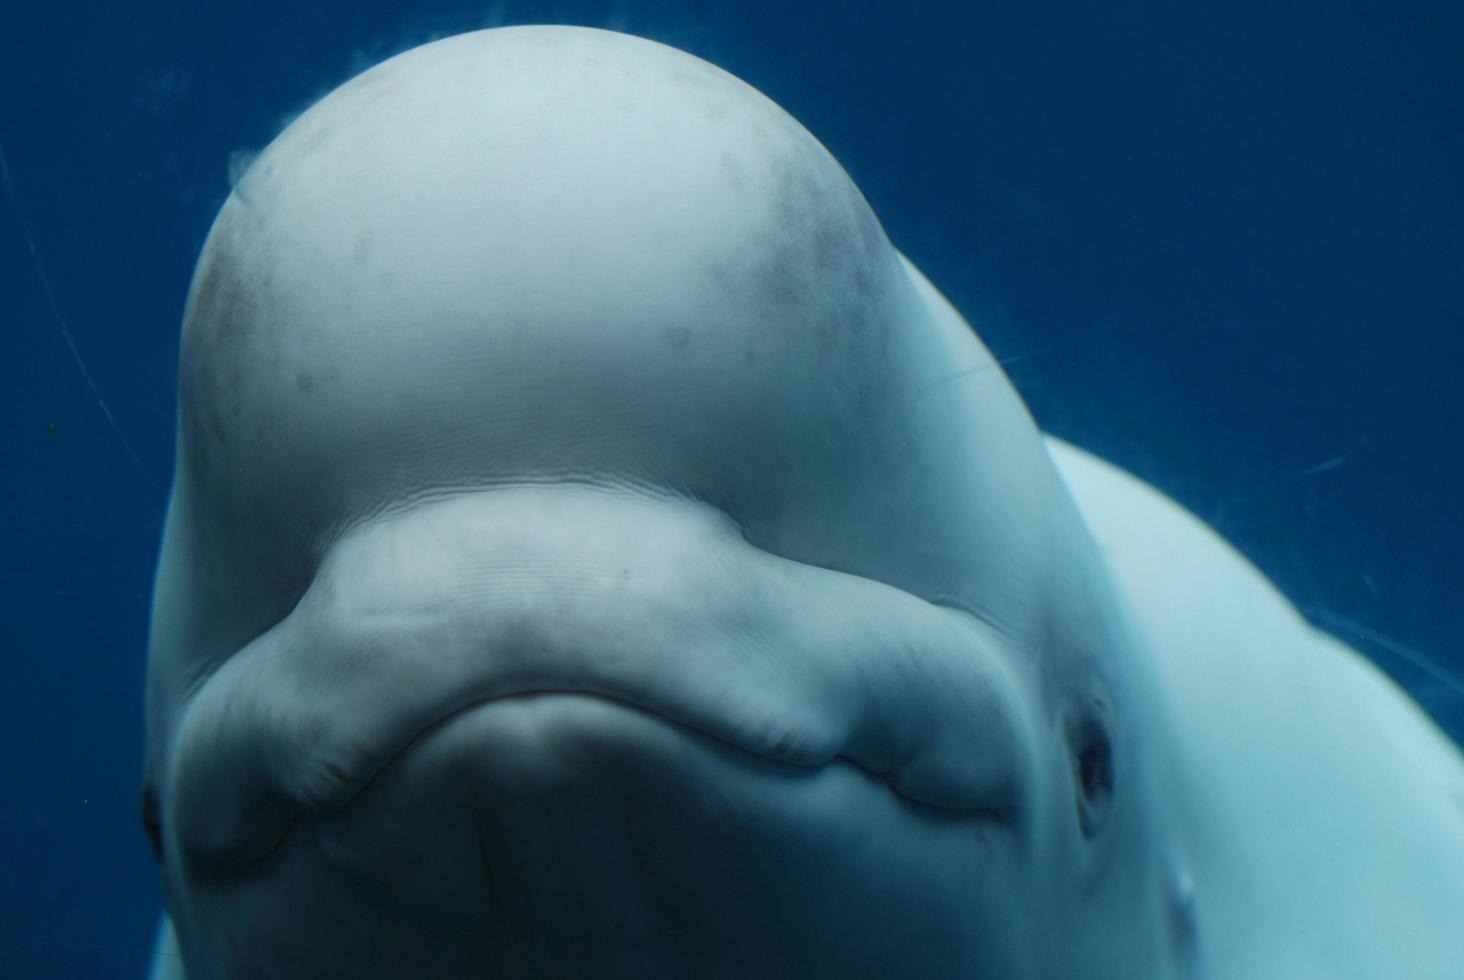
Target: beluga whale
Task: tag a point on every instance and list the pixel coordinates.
(596, 551)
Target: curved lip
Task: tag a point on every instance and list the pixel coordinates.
(788, 662)
(1003, 810)
(1003, 813)
(1000, 813)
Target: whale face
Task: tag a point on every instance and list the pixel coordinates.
(594, 550)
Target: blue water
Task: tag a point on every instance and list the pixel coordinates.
(1223, 245)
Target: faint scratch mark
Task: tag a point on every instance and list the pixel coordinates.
(45, 282)
(1324, 466)
(1342, 625)
(991, 365)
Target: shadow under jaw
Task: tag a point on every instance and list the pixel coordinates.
(568, 834)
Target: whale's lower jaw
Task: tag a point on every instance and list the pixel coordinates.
(572, 835)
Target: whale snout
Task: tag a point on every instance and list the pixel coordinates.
(655, 609)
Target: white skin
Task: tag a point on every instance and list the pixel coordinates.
(595, 548)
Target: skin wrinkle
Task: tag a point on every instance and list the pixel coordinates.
(1005, 816)
(377, 641)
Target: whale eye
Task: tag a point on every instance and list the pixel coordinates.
(1093, 771)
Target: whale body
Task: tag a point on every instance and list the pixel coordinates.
(595, 550)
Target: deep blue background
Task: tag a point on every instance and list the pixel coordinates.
(1220, 243)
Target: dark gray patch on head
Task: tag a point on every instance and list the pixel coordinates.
(735, 170)
(232, 309)
(696, 76)
(817, 263)
(810, 287)
(361, 251)
(718, 111)
(675, 336)
(221, 314)
(304, 380)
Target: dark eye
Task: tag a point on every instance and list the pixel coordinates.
(1093, 760)
(1095, 767)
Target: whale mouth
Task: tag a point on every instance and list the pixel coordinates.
(659, 603)
(566, 835)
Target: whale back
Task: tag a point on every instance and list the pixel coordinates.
(1318, 812)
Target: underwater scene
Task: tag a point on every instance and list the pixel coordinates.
(689, 489)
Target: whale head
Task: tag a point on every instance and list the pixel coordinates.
(595, 550)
